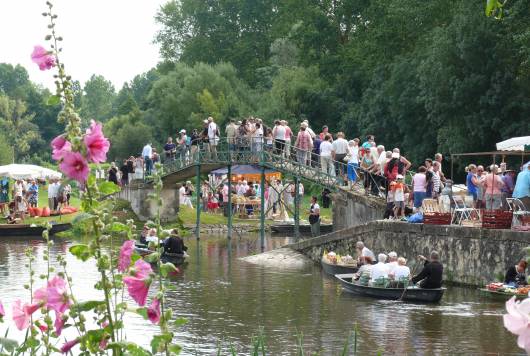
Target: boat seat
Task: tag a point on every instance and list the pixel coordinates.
(381, 282)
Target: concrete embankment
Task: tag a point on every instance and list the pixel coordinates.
(471, 256)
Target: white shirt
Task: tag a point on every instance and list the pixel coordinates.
(279, 132)
(379, 270)
(212, 130)
(311, 132)
(381, 161)
(391, 266)
(325, 149)
(147, 151)
(401, 272)
(340, 146)
(367, 252)
(53, 190)
(19, 187)
(150, 238)
(182, 195)
(354, 154)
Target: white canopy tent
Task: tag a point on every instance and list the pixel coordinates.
(514, 144)
(28, 171)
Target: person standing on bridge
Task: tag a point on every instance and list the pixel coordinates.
(314, 217)
(304, 145)
(147, 154)
(279, 137)
(326, 159)
(213, 138)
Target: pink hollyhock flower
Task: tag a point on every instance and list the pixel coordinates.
(153, 312)
(42, 58)
(68, 345)
(55, 295)
(22, 314)
(97, 145)
(137, 288)
(142, 269)
(59, 323)
(126, 251)
(60, 146)
(103, 343)
(75, 166)
(43, 328)
(517, 321)
(2, 311)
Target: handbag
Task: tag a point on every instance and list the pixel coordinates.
(347, 157)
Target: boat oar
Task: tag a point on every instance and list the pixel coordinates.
(410, 276)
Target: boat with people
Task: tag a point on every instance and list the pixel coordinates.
(409, 294)
(31, 230)
(333, 264)
(174, 258)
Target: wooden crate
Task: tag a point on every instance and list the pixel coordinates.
(497, 219)
(434, 218)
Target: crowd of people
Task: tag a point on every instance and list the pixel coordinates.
(25, 195)
(393, 269)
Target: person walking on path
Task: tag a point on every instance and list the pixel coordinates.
(314, 217)
(147, 154)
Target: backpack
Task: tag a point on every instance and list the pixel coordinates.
(392, 169)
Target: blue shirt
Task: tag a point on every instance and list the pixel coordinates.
(522, 185)
(471, 187)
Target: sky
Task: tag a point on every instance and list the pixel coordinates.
(112, 38)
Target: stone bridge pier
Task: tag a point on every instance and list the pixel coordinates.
(146, 208)
(351, 209)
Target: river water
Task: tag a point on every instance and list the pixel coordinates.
(227, 301)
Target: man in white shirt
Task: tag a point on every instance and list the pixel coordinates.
(401, 271)
(183, 197)
(340, 150)
(380, 270)
(326, 158)
(213, 138)
(392, 262)
(308, 129)
(51, 194)
(363, 251)
(147, 154)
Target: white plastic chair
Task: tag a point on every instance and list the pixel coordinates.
(461, 211)
(518, 209)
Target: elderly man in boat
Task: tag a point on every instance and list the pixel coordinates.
(363, 251)
(516, 275)
(365, 271)
(431, 275)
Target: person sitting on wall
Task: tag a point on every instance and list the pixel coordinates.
(515, 275)
(431, 275)
(363, 251)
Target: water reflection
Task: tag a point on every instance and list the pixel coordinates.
(227, 301)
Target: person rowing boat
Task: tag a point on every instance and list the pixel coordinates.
(515, 275)
(431, 275)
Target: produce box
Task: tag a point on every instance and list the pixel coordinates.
(497, 219)
(434, 218)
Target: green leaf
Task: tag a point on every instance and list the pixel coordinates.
(91, 180)
(53, 100)
(80, 251)
(175, 349)
(152, 257)
(167, 268)
(142, 312)
(160, 340)
(180, 322)
(118, 227)
(88, 305)
(135, 257)
(8, 344)
(491, 6)
(132, 348)
(107, 188)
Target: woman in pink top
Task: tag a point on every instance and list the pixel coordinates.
(492, 189)
(419, 186)
(288, 135)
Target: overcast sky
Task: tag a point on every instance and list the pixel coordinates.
(108, 37)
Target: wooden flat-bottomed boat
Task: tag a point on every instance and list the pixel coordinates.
(412, 294)
(305, 229)
(500, 295)
(27, 230)
(175, 258)
(333, 269)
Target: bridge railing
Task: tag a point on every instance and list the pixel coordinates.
(256, 151)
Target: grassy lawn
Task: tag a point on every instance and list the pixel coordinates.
(43, 201)
(189, 216)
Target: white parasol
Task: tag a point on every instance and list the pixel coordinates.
(27, 171)
(514, 144)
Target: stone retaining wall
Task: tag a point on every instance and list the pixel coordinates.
(470, 256)
(351, 209)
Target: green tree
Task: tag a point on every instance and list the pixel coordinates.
(98, 98)
(15, 120)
